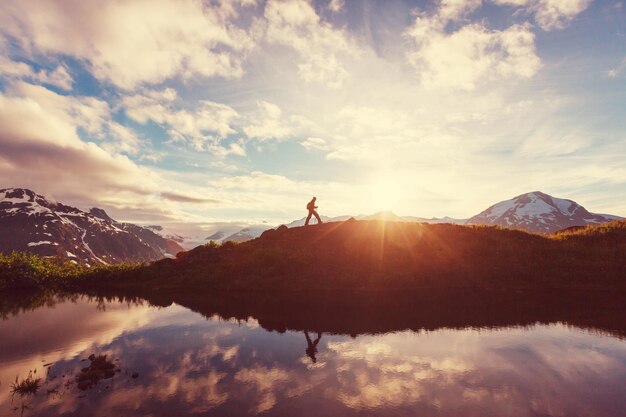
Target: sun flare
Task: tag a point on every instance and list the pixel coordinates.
(386, 193)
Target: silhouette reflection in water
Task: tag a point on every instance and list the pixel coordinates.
(311, 349)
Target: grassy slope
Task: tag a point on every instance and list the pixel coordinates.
(361, 255)
(393, 255)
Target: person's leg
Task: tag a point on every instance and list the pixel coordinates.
(317, 216)
(308, 218)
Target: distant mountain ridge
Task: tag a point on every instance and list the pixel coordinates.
(168, 236)
(30, 222)
(534, 212)
(538, 212)
(381, 215)
(252, 232)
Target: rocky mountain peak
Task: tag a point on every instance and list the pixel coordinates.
(100, 213)
(538, 212)
(30, 222)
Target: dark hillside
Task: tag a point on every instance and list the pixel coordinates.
(396, 255)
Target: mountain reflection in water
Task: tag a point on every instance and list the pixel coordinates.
(465, 353)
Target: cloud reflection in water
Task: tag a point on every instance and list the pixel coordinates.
(187, 364)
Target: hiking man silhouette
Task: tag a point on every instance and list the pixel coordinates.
(311, 207)
(311, 348)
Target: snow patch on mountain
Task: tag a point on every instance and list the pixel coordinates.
(41, 242)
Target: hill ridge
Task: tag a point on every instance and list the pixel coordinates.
(368, 254)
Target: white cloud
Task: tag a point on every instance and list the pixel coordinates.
(10, 68)
(133, 42)
(124, 140)
(618, 70)
(472, 54)
(58, 77)
(556, 14)
(203, 127)
(321, 47)
(15, 70)
(88, 113)
(547, 144)
(277, 197)
(258, 180)
(444, 151)
(269, 123)
(336, 6)
(41, 148)
(550, 14)
(315, 143)
(455, 9)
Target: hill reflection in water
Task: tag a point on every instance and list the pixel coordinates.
(487, 353)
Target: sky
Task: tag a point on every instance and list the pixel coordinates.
(205, 112)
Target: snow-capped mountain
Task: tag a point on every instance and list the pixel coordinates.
(217, 236)
(174, 237)
(237, 232)
(247, 233)
(538, 212)
(30, 222)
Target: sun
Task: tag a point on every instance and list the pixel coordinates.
(385, 193)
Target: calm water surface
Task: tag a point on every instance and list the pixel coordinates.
(171, 361)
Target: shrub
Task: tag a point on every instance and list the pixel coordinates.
(22, 270)
(229, 244)
(28, 386)
(25, 270)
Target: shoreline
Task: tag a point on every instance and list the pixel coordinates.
(369, 313)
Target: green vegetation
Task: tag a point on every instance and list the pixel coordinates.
(369, 255)
(375, 255)
(615, 229)
(22, 270)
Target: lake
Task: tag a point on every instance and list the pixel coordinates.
(172, 358)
